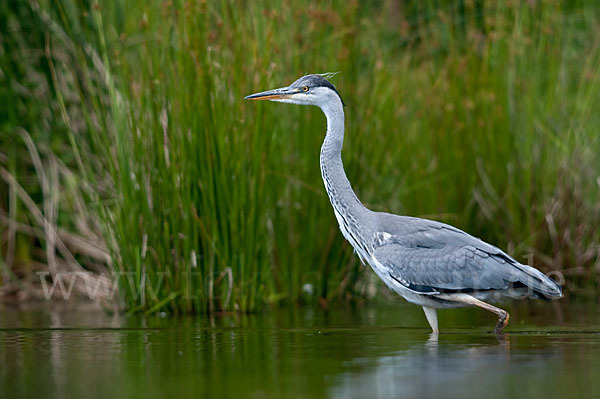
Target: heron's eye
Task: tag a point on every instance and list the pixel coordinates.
(305, 88)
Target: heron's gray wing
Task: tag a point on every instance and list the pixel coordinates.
(431, 257)
(432, 270)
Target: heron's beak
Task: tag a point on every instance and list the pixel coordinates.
(277, 94)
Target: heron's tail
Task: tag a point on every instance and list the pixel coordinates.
(542, 285)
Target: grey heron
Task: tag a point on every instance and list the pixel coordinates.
(429, 263)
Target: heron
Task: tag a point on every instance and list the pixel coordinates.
(428, 263)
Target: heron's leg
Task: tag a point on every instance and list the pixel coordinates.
(431, 315)
(503, 315)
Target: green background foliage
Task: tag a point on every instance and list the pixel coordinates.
(480, 114)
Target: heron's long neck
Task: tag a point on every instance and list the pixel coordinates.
(342, 197)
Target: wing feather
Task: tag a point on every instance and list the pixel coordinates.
(431, 257)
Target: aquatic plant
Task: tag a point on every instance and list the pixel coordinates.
(478, 114)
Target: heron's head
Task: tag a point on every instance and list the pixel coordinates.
(308, 90)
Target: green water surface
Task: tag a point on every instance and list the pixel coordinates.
(550, 350)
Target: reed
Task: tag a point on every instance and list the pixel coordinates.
(480, 114)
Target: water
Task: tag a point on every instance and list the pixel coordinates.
(373, 351)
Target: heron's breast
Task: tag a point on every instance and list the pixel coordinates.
(353, 237)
